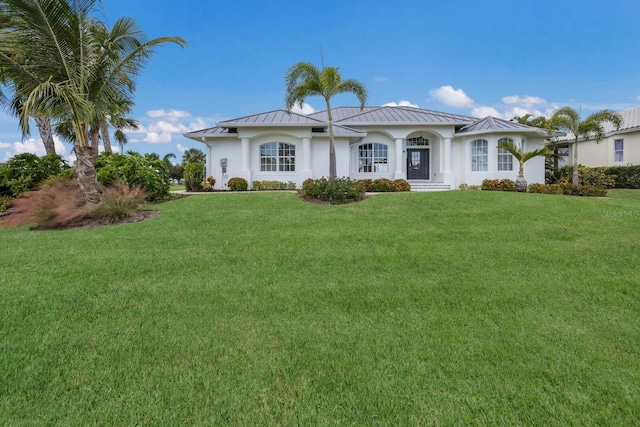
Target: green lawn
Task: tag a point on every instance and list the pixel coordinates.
(453, 308)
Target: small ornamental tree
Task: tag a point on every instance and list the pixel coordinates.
(522, 158)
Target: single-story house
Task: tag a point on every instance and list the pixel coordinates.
(618, 148)
(430, 149)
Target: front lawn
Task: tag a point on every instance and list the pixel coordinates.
(258, 309)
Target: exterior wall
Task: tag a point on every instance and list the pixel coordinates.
(231, 150)
(594, 154)
(461, 152)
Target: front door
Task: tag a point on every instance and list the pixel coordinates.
(418, 164)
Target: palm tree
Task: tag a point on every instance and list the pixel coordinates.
(522, 158)
(567, 119)
(193, 155)
(305, 79)
(74, 73)
(166, 159)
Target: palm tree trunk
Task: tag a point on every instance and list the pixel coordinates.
(521, 183)
(575, 180)
(87, 177)
(44, 127)
(332, 146)
(106, 140)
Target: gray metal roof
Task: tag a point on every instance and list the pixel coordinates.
(494, 124)
(406, 115)
(340, 113)
(630, 121)
(276, 117)
(208, 133)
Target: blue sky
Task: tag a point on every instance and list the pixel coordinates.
(477, 58)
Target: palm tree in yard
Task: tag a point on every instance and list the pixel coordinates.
(305, 79)
(522, 157)
(567, 119)
(76, 72)
(193, 155)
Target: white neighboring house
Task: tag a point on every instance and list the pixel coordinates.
(618, 148)
(431, 149)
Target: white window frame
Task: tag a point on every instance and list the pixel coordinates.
(373, 157)
(277, 157)
(619, 150)
(479, 155)
(505, 158)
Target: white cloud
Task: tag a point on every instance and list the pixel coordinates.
(447, 95)
(380, 79)
(5, 145)
(35, 146)
(400, 104)
(483, 111)
(306, 109)
(525, 100)
(168, 115)
(164, 124)
(181, 148)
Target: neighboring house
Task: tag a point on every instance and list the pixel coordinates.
(431, 149)
(619, 147)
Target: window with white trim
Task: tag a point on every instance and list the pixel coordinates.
(479, 155)
(373, 157)
(505, 158)
(618, 150)
(277, 157)
(417, 142)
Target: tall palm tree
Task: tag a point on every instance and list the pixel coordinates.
(567, 119)
(304, 79)
(73, 75)
(193, 155)
(522, 157)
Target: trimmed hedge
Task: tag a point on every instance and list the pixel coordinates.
(273, 185)
(568, 189)
(333, 190)
(498, 185)
(624, 176)
(383, 185)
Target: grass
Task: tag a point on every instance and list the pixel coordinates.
(256, 309)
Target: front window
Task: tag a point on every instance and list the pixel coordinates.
(479, 155)
(277, 157)
(505, 159)
(373, 158)
(619, 150)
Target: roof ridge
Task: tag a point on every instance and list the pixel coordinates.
(268, 112)
(359, 114)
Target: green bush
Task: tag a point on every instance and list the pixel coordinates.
(193, 176)
(568, 189)
(382, 185)
(238, 184)
(23, 172)
(334, 190)
(150, 174)
(596, 177)
(273, 185)
(498, 185)
(624, 176)
(208, 184)
(4, 203)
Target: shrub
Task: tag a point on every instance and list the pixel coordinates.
(568, 189)
(498, 185)
(23, 172)
(238, 184)
(193, 176)
(382, 185)
(50, 206)
(273, 185)
(133, 169)
(334, 190)
(4, 202)
(624, 176)
(119, 201)
(467, 187)
(208, 184)
(596, 177)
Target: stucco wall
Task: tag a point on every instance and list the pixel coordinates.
(594, 154)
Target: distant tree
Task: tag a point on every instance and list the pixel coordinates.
(305, 79)
(167, 158)
(530, 120)
(193, 155)
(522, 158)
(567, 119)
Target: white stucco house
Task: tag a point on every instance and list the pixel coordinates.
(618, 148)
(431, 149)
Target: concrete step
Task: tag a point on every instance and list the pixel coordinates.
(428, 186)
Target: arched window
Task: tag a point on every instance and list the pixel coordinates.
(479, 155)
(505, 159)
(277, 157)
(417, 142)
(373, 158)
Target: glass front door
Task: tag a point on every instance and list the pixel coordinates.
(418, 164)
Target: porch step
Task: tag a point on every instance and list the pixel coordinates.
(417, 185)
